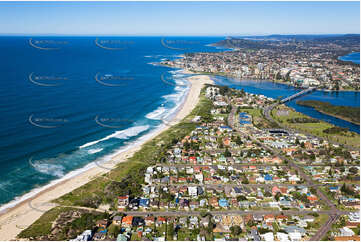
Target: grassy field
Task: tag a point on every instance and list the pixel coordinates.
(320, 220)
(317, 129)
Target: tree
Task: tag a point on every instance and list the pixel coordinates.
(278, 76)
(297, 141)
(235, 230)
(330, 173)
(242, 92)
(313, 190)
(210, 227)
(353, 170)
(113, 230)
(287, 78)
(267, 194)
(227, 153)
(245, 181)
(170, 231)
(344, 188)
(241, 198)
(277, 196)
(238, 140)
(264, 230)
(251, 223)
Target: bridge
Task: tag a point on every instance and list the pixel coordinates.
(311, 89)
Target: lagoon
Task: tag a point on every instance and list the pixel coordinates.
(278, 90)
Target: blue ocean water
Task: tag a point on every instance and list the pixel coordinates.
(354, 57)
(68, 103)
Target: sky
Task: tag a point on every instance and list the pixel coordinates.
(179, 18)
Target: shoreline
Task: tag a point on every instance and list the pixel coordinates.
(260, 80)
(332, 115)
(15, 219)
(339, 117)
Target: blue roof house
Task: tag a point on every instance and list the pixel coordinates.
(268, 177)
(144, 202)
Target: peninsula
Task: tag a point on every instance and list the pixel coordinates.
(350, 114)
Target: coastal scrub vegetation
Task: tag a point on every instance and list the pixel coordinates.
(348, 113)
(61, 223)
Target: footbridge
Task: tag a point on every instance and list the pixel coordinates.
(311, 89)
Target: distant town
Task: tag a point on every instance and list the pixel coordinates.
(300, 62)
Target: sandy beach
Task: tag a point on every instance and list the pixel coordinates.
(19, 217)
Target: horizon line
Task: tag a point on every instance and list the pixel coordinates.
(169, 35)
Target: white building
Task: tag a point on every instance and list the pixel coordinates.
(282, 237)
(268, 237)
(85, 236)
(346, 232)
(192, 191)
(295, 236)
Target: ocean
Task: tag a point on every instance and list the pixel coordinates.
(67, 102)
(70, 103)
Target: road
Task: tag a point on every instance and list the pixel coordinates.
(325, 228)
(239, 165)
(333, 212)
(238, 185)
(227, 212)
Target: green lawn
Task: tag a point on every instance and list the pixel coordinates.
(348, 138)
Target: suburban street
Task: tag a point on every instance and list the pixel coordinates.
(333, 211)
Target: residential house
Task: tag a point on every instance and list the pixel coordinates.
(127, 221)
(123, 202)
(117, 220)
